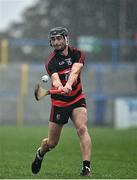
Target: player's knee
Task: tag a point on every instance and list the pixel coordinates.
(82, 130)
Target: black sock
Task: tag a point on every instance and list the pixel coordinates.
(86, 163)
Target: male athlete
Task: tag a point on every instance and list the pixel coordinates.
(64, 66)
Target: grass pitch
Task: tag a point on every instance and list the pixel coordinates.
(114, 153)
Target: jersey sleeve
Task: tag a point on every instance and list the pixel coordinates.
(79, 57)
(50, 67)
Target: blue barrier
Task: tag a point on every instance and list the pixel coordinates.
(8, 94)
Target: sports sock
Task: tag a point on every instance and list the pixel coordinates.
(39, 155)
(86, 163)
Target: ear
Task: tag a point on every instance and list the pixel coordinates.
(67, 41)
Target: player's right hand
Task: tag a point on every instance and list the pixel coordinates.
(67, 89)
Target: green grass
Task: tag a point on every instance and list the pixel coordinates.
(114, 153)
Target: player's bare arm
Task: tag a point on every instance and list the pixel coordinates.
(56, 81)
(76, 69)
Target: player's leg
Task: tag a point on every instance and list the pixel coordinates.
(79, 118)
(53, 138)
(58, 117)
(46, 145)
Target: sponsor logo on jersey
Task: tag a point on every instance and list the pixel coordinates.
(61, 63)
(68, 60)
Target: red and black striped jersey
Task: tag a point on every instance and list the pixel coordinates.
(62, 65)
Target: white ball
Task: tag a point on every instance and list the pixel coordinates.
(45, 78)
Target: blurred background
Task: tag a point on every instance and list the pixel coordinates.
(106, 30)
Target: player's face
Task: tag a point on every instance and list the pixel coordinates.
(58, 42)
